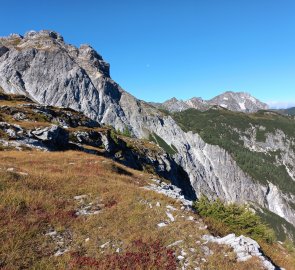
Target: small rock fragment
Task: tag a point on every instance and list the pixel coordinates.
(180, 258)
(162, 224)
(105, 244)
(175, 243)
(171, 208)
(170, 216)
(80, 197)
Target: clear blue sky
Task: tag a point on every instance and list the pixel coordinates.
(163, 48)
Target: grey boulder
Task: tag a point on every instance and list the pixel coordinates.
(54, 136)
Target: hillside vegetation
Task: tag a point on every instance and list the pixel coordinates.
(223, 219)
(80, 211)
(223, 128)
(233, 218)
(289, 111)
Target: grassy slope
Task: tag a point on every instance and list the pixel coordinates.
(217, 127)
(31, 205)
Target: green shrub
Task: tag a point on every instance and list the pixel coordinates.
(126, 132)
(114, 136)
(232, 218)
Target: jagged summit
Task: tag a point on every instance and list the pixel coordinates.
(238, 101)
(43, 33)
(234, 101)
(44, 67)
(43, 39)
(47, 40)
(34, 34)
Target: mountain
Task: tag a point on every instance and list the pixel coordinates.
(49, 71)
(240, 102)
(262, 144)
(61, 193)
(175, 105)
(234, 101)
(289, 111)
(172, 105)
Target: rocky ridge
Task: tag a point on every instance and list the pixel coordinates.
(78, 78)
(25, 124)
(234, 101)
(245, 248)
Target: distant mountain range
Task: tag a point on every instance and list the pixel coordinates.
(233, 101)
(289, 111)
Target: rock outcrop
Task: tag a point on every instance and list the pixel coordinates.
(49, 128)
(244, 247)
(54, 136)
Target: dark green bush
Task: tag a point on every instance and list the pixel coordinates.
(232, 218)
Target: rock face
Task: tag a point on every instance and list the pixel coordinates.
(43, 67)
(198, 103)
(240, 101)
(244, 247)
(276, 141)
(53, 136)
(234, 101)
(172, 105)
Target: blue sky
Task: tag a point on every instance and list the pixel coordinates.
(164, 48)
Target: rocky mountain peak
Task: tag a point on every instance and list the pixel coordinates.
(238, 101)
(197, 99)
(43, 34)
(174, 99)
(197, 103)
(43, 58)
(175, 105)
(44, 39)
(234, 101)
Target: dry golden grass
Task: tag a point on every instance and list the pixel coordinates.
(31, 125)
(141, 144)
(32, 205)
(87, 129)
(280, 255)
(12, 102)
